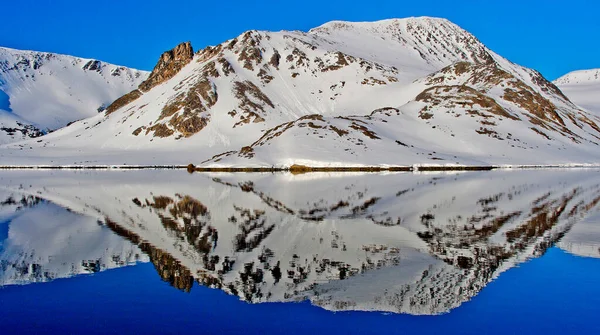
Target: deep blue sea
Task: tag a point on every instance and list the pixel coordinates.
(187, 257)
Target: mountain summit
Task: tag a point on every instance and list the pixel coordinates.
(393, 92)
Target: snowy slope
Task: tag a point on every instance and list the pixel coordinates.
(47, 91)
(44, 242)
(392, 92)
(344, 241)
(583, 88)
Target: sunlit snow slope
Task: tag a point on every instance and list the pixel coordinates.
(42, 91)
(392, 92)
(583, 88)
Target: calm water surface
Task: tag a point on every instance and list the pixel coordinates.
(168, 252)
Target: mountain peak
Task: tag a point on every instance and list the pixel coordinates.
(169, 63)
(437, 41)
(346, 25)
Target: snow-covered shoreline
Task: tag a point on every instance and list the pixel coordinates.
(304, 169)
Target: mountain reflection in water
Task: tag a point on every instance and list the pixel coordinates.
(416, 243)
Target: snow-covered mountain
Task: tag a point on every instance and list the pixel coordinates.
(582, 87)
(392, 92)
(42, 241)
(419, 243)
(42, 91)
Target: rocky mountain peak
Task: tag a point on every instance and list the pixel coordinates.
(169, 63)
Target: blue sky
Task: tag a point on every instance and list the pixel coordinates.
(554, 37)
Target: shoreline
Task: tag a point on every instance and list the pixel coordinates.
(299, 169)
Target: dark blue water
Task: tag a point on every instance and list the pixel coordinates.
(557, 293)
(4, 101)
(3, 230)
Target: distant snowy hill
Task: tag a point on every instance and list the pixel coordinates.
(392, 92)
(583, 88)
(42, 91)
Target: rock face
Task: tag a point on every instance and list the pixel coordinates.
(168, 65)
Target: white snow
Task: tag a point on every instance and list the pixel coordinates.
(47, 242)
(583, 88)
(49, 90)
(338, 70)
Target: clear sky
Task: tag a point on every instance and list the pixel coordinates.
(551, 36)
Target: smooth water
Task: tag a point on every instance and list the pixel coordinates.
(4, 101)
(156, 251)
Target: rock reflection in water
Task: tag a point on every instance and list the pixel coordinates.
(409, 243)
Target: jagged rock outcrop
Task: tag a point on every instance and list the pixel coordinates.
(169, 63)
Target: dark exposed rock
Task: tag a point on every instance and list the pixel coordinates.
(169, 64)
(116, 72)
(25, 129)
(93, 65)
(138, 130)
(198, 99)
(247, 93)
(275, 59)
(463, 96)
(168, 268)
(160, 130)
(122, 101)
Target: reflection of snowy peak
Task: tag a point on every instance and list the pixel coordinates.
(413, 243)
(393, 92)
(47, 91)
(584, 238)
(46, 242)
